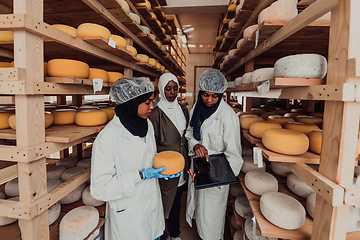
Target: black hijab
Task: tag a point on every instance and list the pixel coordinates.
(201, 113)
(128, 115)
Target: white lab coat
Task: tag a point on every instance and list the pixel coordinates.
(220, 133)
(133, 206)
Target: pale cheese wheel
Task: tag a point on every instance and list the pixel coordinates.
(119, 41)
(238, 81)
(315, 141)
(283, 10)
(78, 223)
(89, 200)
(54, 171)
(158, 43)
(91, 118)
(280, 119)
(310, 204)
(249, 31)
(124, 5)
(173, 161)
(248, 164)
(305, 128)
(234, 223)
(238, 8)
(7, 220)
(64, 116)
(247, 78)
(4, 119)
(236, 190)
(280, 169)
(54, 212)
(301, 66)
(52, 184)
(146, 4)
(167, 38)
(298, 186)
(246, 150)
(70, 172)
(232, 23)
(74, 195)
(145, 29)
(67, 68)
(93, 30)
(114, 76)
(238, 235)
(49, 119)
(247, 120)
(85, 163)
(134, 17)
(256, 129)
(282, 210)
(260, 182)
(68, 162)
(285, 141)
(242, 207)
(152, 61)
(262, 74)
(2, 195)
(99, 73)
(238, 44)
(231, 85)
(310, 120)
(249, 231)
(132, 50)
(153, 37)
(6, 35)
(65, 28)
(163, 48)
(12, 187)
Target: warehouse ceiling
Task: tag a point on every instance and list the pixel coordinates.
(199, 20)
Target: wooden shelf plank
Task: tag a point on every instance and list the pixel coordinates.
(76, 81)
(144, 11)
(249, 137)
(298, 81)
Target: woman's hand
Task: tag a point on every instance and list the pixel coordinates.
(201, 151)
(191, 174)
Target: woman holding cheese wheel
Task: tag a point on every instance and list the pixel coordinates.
(170, 120)
(214, 129)
(121, 165)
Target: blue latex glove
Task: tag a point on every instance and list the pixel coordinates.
(149, 173)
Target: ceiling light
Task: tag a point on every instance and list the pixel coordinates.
(183, 38)
(188, 30)
(191, 45)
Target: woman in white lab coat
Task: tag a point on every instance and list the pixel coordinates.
(121, 165)
(214, 128)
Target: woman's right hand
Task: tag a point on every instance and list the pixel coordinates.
(191, 174)
(201, 151)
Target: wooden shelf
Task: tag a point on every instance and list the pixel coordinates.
(75, 81)
(148, 66)
(144, 11)
(249, 137)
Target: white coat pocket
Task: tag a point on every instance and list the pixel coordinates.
(216, 143)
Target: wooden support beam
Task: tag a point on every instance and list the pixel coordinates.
(12, 74)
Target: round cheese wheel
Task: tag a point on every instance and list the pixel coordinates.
(54, 212)
(4, 119)
(93, 30)
(234, 223)
(54, 171)
(99, 73)
(301, 66)
(158, 43)
(78, 223)
(124, 5)
(52, 184)
(280, 119)
(132, 50)
(64, 116)
(293, 115)
(87, 107)
(2, 195)
(68, 162)
(310, 120)
(12, 187)
(74, 195)
(310, 204)
(238, 235)
(248, 164)
(91, 118)
(297, 110)
(267, 114)
(298, 186)
(241, 113)
(120, 41)
(258, 111)
(238, 44)
(152, 61)
(65, 28)
(69, 173)
(146, 4)
(231, 84)
(145, 29)
(317, 114)
(173, 161)
(85, 163)
(158, 65)
(6, 220)
(315, 141)
(236, 190)
(301, 127)
(232, 7)
(247, 78)
(135, 17)
(49, 119)
(114, 76)
(242, 207)
(246, 150)
(247, 120)
(282, 210)
(262, 74)
(249, 31)
(6, 35)
(152, 15)
(260, 182)
(283, 10)
(226, 20)
(285, 141)
(153, 37)
(67, 68)
(280, 169)
(162, 68)
(257, 128)
(238, 81)
(249, 232)
(110, 111)
(89, 200)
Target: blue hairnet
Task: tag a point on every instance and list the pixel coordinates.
(213, 80)
(127, 88)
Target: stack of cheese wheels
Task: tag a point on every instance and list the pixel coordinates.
(256, 129)
(249, 31)
(143, 58)
(242, 207)
(315, 141)
(54, 171)
(260, 182)
(67, 68)
(64, 116)
(280, 119)
(282, 210)
(7, 220)
(89, 200)
(283, 10)
(109, 110)
(247, 120)
(173, 161)
(301, 66)
(234, 222)
(78, 223)
(267, 114)
(65, 28)
(49, 119)
(262, 74)
(68, 162)
(236, 190)
(301, 127)
(7, 36)
(248, 165)
(114, 76)
(310, 204)
(91, 118)
(298, 186)
(249, 231)
(54, 212)
(285, 141)
(85, 163)
(134, 17)
(310, 120)
(124, 5)
(120, 41)
(132, 50)
(86, 30)
(280, 169)
(12, 187)
(4, 118)
(99, 73)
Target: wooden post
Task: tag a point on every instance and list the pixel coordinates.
(128, 72)
(77, 149)
(247, 101)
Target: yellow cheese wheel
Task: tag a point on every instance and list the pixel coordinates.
(232, 7)
(153, 16)
(167, 37)
(5, 64)
(67, 68)
(315, 139)
(280, 119)
(114, 76)
(158, 23)
(87, 107)
(153, 37)
(317, 114)
(64, 116)
(163, 29)
(173, 161)
(65, 28)
(135, 17)
(6, 35)
(99, 73)
(219, 38)
(167, 71)
(146, 4)
(124, 5)
(285, 141)
(226, 20)
(156, 85)
(4, 119)
(49, 119)
(158, 43)
(152, 61)
(120, 41)
(301, 127)
(247, 120)
(297, 110)
(93, 30)
(132, 50)
(309, 119)
(91, 118)
(158, 65)
(163, 48)
(162, 68)
(241, 113)
(110, 111)
(267, 114)
(143, 58)
(257, 128)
